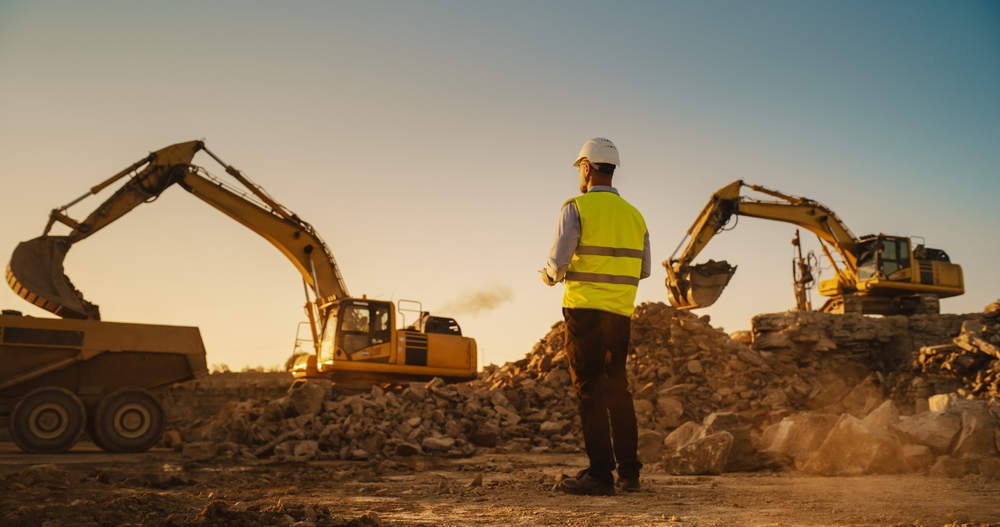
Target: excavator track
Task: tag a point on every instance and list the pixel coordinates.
(36, 274)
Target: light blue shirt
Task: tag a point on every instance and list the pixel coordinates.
(567, 239)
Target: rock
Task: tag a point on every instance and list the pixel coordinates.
(549, 428)
(671, 410)
(917, 457)
(793, 440)
(706, 455)
(650, 446)
(643, 407)
(854, 449)
(485, 434)
(990, 468)
(936, 430)
(371, 518)
(407, 449)
(694, 366)
(885, 417)
(171, 439)
(955, 405)
(682, 436)
(39, 474)
(477, 482)
(306, 397)
(305, 450)
(360, 454)
(10, 520)
(742, 336)
(647, 392)
(743, 456)
(283, 520)
(977, 437)
(435, 444)
(947, 467)
(199, 450)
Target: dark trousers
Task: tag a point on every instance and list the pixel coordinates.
(597, 346)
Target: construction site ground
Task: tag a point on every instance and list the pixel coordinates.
(162, 487)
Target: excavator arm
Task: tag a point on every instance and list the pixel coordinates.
(36, 271)
(692, 286)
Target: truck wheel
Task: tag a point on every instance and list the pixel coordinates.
(128, 420)
(47, 420)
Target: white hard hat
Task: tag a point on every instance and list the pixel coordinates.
(599, 150)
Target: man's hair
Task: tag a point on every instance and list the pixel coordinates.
(607, 169)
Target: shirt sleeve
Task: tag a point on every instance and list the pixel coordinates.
(565, 242)
(646, 258)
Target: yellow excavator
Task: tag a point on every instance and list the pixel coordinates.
(356, 341)
(877, 274)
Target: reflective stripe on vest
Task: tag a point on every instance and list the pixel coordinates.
(605, 269)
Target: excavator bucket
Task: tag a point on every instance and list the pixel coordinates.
(35, 273)
(699, 285)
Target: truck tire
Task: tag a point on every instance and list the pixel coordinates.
(128, 420)
(47, 420)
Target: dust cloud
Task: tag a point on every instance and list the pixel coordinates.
(476, 302)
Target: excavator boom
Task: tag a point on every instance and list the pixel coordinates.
(691, 286)
(36, 273)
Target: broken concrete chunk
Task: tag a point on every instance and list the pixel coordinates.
(854, 449)
(306, 397)
(650, 446)
(683, 436)
(707, 455)
(793, 440)
(671, 410)
(917, 457)
(977, 437)
(935, 430)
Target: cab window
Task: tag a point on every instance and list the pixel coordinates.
(354, 326)
(866, 260)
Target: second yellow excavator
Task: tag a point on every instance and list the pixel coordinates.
(877, 274)
(356, 341)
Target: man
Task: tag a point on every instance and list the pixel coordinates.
(601, 251)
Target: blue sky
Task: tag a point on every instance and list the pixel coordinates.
(430, 143)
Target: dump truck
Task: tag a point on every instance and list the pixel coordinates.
(356, 341)
(876, 274)
(59, 378)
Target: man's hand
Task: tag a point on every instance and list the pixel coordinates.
(546, 278)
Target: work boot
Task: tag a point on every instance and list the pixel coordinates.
(628, 484)
(585, 485)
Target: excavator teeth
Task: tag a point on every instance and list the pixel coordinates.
(35, 273)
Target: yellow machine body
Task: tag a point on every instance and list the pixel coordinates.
(881, 274)
(35, 273)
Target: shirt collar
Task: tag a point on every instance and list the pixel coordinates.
(604, 188)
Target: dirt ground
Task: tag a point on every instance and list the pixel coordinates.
(162, 488)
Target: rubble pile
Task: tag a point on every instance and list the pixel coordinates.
(972, 359)
(792, 391)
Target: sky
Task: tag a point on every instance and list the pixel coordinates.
(430, 144)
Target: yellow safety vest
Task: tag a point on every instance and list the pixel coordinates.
(604, 272)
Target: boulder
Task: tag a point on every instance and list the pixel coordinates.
(306, 397)
(683, 435)
(743, 456)
(936, 430)
(990, 468)
(853, 449)
(407, 449)
(793, 440)
(947, 467)
(485, 434)
(47, 473)
(917, 457)
(953, 404)
(885, 417)
(670, 409)
(650, 446)
(706, 455)
(437, 444)
(977, 437)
